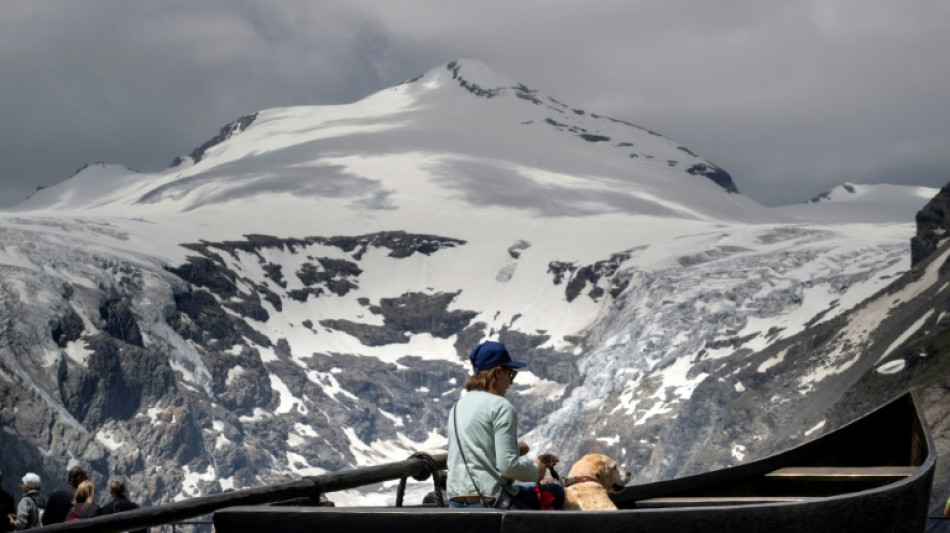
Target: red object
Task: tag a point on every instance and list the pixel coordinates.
(74, 513)
(545, 498)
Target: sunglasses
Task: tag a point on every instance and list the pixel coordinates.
(513, 373)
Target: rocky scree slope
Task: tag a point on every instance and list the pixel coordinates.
(896, 340)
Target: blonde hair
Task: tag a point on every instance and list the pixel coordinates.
(85, 493)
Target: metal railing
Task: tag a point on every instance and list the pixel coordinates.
(419, 467)
(188, 526)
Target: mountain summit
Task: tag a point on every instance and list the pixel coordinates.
(459, 135)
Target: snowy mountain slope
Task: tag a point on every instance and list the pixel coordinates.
(827, 375)
(300, 294)
(850, 203)
(455, 137)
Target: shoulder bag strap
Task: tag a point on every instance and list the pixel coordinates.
(455, 425)
(34, 514)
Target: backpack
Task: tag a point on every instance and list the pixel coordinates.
(74, 513)
(37, 508)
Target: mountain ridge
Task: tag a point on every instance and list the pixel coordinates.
(445, 95)
(851, 202)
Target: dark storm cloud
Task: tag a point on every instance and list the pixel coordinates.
(139, 83)
(792, 98)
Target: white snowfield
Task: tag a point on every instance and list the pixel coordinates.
(465, 154)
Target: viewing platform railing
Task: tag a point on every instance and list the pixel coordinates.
(419, 467)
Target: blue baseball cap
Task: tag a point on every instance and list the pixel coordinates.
(490, 354)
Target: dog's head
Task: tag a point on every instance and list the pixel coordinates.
(602, 468)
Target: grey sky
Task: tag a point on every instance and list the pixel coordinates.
(790, 97)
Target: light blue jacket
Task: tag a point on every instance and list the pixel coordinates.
(488, 430)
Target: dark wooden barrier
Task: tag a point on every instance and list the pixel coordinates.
(309, 487)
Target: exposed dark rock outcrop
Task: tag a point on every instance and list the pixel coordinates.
(933, 225)
(69, 328)
(337, 276)
(405, 315)
(579, 276)
(399, 243)
(226, 133)
(240, 381)
(717, 175)
(417, 312)
(208, 273)
(117, 380)
(120, 323)
(470, 86)
(208, 324)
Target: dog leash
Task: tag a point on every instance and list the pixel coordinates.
(567, 482)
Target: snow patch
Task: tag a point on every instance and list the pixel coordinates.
(383, 451)
(396, 420)
(906, 334)
(815, 428)
(233, 373)
(773, 361)
(299, 465)
(108, 439)
(189, 486)
(328, 383)
(892, 367)
(287, 399)
(305, 429)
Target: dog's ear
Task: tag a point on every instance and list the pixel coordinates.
(602, 472)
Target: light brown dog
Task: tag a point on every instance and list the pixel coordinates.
(591, 479)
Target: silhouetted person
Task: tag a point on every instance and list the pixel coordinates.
(7, 507)
(61, 501)
(118, 500)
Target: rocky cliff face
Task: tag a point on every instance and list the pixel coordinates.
(259, 357)
(932, 226)
(896, 340)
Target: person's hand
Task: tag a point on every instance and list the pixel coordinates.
(544, 462)
(541, 467)
(12, 518)
(549, 460)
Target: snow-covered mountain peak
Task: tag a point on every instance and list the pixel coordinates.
(463, 77)
(459, 136)
(875, 193)
(844, 191)
(475, 73)
(850, 202)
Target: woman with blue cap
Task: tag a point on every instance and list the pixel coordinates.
(483, 441)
